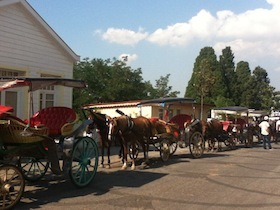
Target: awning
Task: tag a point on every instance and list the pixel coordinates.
(39, 83)
(231, 110)
(166, 101)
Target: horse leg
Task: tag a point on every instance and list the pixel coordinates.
(109, 154)
(219, 146)
(211, 145)
(124, 167)
(102, 154)
(121, 152)
(133, 156)
(145, 147)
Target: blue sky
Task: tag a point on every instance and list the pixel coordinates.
(164, 37)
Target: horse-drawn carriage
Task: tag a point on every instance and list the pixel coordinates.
(139, 133)
(29, 147)
(238, 124)
(179, 136)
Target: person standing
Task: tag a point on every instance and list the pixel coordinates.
(264, 125)
(277, 128)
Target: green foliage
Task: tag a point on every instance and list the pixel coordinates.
(206, 80)
(162, 90)
(224, 84)
(228, 76)
(114, 81)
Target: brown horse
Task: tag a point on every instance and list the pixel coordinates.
(213, 132)
(131, 130)
(170, 130)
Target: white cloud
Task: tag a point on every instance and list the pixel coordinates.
(200, 26)
(252, 35)
(255, 24)
(177, 34)
(128, 58)
(258, 24)
(123, 36)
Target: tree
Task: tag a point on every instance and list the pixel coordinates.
(225, 85)
(227, 68)
(206, 79)
(114, 81)
(109, 81)
(242, 87)
(162, 89)
(262, 92)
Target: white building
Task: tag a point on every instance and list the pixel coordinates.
(130, 108)
(29, 47)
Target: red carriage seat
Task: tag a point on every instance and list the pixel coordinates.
(5, 109)
(226, 125)
(54, 118)
(240, 122)
(181, 119)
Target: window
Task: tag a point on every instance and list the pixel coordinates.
(47, 94)
(11, 99)
(160, 114)
(11, 73)
(46, 99)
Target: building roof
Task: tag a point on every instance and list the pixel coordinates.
(140, 103)
(43, 23)
(113, 104)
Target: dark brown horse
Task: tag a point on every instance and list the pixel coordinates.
(101, 122)
(131, 130)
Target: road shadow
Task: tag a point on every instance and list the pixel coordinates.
(46, 191)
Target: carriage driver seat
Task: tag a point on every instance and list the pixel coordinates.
(54, 118)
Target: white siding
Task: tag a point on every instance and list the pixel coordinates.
(27, 46)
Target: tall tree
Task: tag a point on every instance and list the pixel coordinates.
(260, 93)
(241, 87)
(206, 79)
(227, 67)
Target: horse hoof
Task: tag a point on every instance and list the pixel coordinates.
(142, 167)
(108, 167)
(133, 168)
(124, 168)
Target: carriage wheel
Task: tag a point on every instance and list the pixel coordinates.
(230, 142)
(33, 169)
(227, 142)
(196, 145)
(83, 162)
(164, 149)
(133, 150)
(11, 186)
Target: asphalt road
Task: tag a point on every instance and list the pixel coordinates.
(245, 178)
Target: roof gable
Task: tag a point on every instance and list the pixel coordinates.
(43, 24)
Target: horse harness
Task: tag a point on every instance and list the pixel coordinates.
(130, 124)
